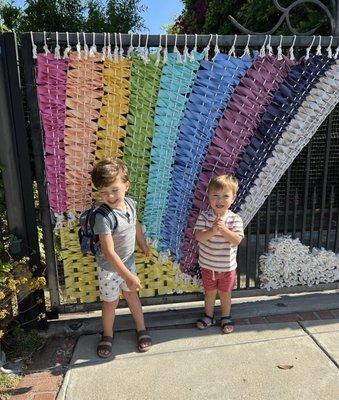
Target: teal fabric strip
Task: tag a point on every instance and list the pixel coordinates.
(175, 86)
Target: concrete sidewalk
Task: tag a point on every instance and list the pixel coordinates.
(189, 364)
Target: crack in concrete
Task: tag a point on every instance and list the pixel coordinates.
(321, 347)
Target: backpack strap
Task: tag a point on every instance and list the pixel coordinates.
(106, 211)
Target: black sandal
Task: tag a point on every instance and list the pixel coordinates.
(144, 341)
(227, 322)
(206, 322)
(105, 345)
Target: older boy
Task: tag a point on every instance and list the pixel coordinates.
(115, 256)
(219, 231)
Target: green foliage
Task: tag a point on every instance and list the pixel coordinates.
(73, 15)
(23, 344)
(8, 382)
(10, 15)
(16, 276)
(211, 16)
(52, 15)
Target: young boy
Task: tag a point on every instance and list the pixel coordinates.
(219, 231)
(115, 255)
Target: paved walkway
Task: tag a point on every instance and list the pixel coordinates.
(266, 361)
(176, 366)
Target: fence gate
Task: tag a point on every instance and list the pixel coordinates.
(178, 110)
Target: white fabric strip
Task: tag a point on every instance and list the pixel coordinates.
(311, 114)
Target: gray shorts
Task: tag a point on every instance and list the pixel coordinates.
(111, 284)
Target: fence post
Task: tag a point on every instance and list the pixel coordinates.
(14, 156)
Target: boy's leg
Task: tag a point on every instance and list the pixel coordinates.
(225, 302)
(210, 287)
(227, 324)
(134, 304)
(210, 296)
(108, 315)
(109, 292)
(225, 286)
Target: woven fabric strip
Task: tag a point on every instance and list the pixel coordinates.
(284, 106)
(175, 86)
(79, 270)
(112, 122)
(84, 94)
(51, 89)
(145, 81)
(211, 91)
(318, 105)
(235, 129)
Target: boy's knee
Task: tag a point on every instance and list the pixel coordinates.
(211, 293)
(131, 296)
(112, 305)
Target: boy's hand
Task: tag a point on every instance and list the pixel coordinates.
(133, 283)
(145, 249)
(218, 225)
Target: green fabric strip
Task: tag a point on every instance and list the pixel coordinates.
(145, 81)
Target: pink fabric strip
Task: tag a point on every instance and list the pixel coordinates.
(51, 89)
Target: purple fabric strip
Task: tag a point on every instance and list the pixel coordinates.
(233, 133)
(51, 89)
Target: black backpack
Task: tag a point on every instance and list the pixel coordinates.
(89, 241)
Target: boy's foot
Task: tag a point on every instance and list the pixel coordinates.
(104, 348)
(205, 322)
(227, 324)
(144, 340)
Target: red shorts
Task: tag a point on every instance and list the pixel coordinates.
(222, 281)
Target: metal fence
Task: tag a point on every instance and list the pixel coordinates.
(304, 204)
(15, 158)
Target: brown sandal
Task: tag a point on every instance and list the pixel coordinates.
(105, 346)
(227, 324)
(144, 341)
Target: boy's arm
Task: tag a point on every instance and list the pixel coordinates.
(141, 238)
(107, 248)
(201, 233)
(204, 235)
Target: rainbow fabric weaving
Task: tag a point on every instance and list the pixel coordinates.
(177, 121)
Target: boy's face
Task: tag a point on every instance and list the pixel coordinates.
(114, 194)
(221, 200)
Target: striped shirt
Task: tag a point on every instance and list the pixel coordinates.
(218, 254)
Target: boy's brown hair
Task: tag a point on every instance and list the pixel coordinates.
(106, 171)
(223, 182)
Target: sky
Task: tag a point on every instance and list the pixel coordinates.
(159, 13)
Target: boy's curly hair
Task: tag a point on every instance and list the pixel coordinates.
(223, 182)
(106, 171)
